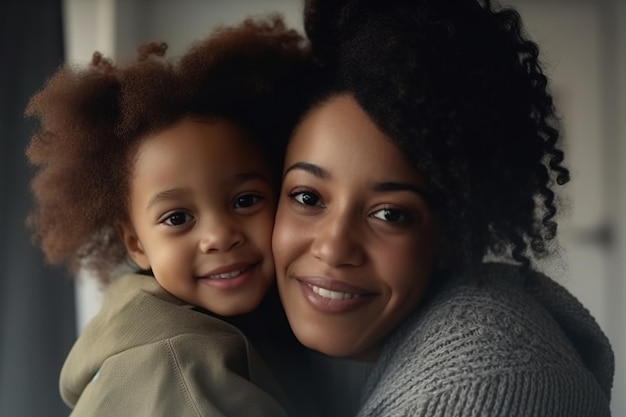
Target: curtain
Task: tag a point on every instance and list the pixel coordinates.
(37, 313)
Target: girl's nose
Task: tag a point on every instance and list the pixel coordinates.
(221, 235)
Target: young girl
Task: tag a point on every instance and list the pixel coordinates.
(431, 148)
(173, 165)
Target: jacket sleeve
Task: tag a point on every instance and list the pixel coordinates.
(187, 375)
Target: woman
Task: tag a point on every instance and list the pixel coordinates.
(430, 146)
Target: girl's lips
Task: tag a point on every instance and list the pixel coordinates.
(230, 277)
(224, 271)
(227, 275)
(333, 297)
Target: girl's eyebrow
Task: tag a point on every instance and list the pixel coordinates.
(312, 169)
(170, 194)
(233, 181)
(246, 176)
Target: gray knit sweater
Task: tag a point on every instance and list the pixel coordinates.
(508, 346)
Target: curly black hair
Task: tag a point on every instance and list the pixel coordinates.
(459, 88)
(92, 120)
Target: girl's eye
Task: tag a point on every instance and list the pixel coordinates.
(306, 198)
(392, 216)
(177, 219)
(246, 200)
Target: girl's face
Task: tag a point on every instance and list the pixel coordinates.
(202, 210)
(354, 240)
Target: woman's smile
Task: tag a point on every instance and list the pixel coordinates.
(333, 296)
(353, 246)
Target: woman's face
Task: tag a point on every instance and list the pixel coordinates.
(354, 240)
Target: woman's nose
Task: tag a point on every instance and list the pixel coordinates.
(337, 241)
(221, 235)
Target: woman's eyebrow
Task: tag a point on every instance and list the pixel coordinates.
(312, 169)
(399, 186)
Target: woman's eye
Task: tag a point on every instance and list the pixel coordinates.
(246, 200)
(392, 215)
(306, 198)
(177, 219)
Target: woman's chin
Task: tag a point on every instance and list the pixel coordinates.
(326, 344)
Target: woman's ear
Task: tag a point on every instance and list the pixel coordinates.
(133, 245)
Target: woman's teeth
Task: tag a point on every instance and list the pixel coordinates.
(333, 295)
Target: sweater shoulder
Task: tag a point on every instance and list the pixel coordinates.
(487, 326)
(498, 321)
(475, 338)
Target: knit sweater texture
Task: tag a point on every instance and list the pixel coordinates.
(510, 343)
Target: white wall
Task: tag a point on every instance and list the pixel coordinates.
(618, 287)
(584, 48)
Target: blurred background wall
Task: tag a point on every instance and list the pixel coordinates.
(37, 309)
(583, 43)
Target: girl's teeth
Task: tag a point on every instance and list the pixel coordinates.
(227, 275)
(333, 295)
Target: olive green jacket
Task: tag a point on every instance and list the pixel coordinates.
(146, 353)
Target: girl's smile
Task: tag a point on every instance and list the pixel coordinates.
(202, 209)
(232, 277)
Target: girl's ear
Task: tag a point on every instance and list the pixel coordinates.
(133, 245)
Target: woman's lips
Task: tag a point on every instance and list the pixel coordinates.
(333, 297)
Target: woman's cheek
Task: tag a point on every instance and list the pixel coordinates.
(282, 236)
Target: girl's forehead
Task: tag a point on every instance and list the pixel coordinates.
(219, 147)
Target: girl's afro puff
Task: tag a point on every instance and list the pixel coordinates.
(93, 119)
